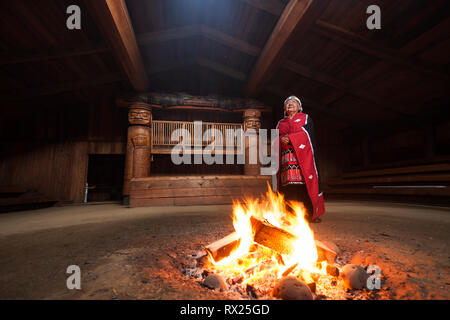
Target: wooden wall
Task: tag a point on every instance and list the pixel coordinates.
(404, 163)
(46, 148)
(397, 147)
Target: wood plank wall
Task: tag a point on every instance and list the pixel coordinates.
(47, 150)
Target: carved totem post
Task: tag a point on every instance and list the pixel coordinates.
(137, 160)
(252, 123)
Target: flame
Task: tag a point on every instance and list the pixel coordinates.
(289, 216)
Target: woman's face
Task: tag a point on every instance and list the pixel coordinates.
(291, 107)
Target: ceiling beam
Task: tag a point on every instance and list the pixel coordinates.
(297, 15)
(214, 66)
(346, 88)
(240, 45)
(314, 105)
(168, 66)
(357, 42)
(57, 88)
(28, 56)
(222, 69)
(114, 21)
(142, 39)
(273, 7)
(168, 34)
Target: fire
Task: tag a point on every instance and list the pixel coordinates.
(251, 261)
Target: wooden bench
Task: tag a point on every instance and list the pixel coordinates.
(424, 180)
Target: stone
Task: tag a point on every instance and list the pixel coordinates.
(214, 281)
(290, 288)
(354, 276)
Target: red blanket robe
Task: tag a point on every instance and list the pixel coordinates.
(300, 131)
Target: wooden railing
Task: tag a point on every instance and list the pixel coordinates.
(162, 130)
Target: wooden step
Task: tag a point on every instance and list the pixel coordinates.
(391, 190)
(195, 190)
(445, 177)
(442, 167)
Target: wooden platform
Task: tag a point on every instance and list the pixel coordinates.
(423, 180)
(195, 190)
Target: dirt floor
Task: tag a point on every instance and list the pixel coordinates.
(140, 253)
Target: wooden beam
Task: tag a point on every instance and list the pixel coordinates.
(297, 15)
(24, 94)
(313, 105)
(195, 31)
(24, 57)
(142, 39)
(230, 41)
(357, 42)
(168, 34)
(427, 39)
(169, 66)
(202, 62)
(222, 69)
(273, 7)
(113, 20)
(347, 88)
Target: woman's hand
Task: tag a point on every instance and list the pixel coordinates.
(285, 140)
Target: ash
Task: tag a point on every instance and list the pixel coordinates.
(259, 287)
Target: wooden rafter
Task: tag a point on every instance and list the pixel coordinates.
(142, 39)
(114, 21)
(24, 57)
(356, 42)
(170, 66)
(273, 7)
(58, 88)
(297, 15)
(240, 45)
(222, 69)
(168, 34)
(345, 88)
(427, 39)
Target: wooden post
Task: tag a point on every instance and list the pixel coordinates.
(252, 123)
(366, 153)
(137, 159)
(430, 141)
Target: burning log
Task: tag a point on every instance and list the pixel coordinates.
(289, 270)
(272, 237)
(326, 252)
(224, 247)
(267, 235)
(281, 241)
(265, 264)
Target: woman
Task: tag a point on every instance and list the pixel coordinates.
(298, 176)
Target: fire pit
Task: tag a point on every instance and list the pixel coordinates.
(273, 254)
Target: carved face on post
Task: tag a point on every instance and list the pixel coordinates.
(139, 116)
(141, 140)
(252, 124)
(252, 119)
